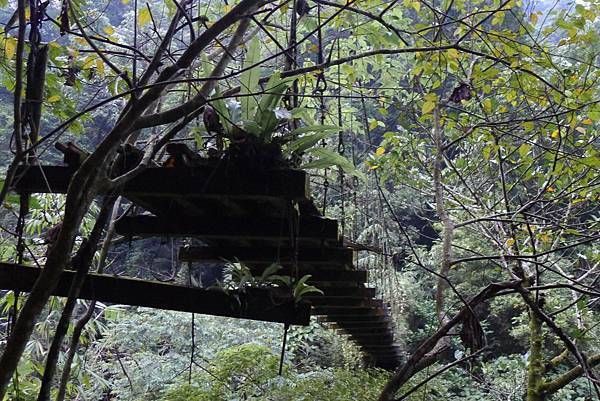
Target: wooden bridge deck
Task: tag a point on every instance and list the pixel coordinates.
(254, 217)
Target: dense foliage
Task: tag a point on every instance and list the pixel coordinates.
(456, 141)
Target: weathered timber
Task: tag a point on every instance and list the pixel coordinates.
(350, 292)
(383, 347)
(321, 300)
(348, 310)
(282, 255)
(178, 182)
(318, 275)
(343, 319)
(358, 331)
(375, 338)
(73, 155)
(366, 325)
(255, 304)
(215, 227)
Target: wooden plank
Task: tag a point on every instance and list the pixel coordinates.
(359, 331)
(343, 319)
(383, 347)
(348, 311)
(352, 292)
(322, 300)
(373, 338)
(255, 304)
(318, 275)
(365, 325)
(215, 227)
(180, 181)
(283, 255)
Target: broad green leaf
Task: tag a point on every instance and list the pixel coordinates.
(222, 110)
(249, 80)
(306, 142)
(327, 158)
(274, 90)
(315, 128)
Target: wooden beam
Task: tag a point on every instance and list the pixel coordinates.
(351, 292)
(383, 347)
(322, 300)
(373, 338)
(343, 319)
(198, 181)
(218, 227)
(318, 275)
(359, 331)
(365, 325)
(348, 311)
(255, 304)
(282, 255)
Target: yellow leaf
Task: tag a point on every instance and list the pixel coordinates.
(487, 105)
(81, 41)
(452, 54)
(144, 16)
(555, 134)
(550, 189)
(510, 242)
(314, 48)
(580, 129)
(380, 151)
(428, 107)
(416, 5)
(587, 121)
(54, 99)
(545, 238)
(372, 125)
(533, 18)
(88, 62)
(10, 47)
(125, 1)
(100, 67)
(109, 30)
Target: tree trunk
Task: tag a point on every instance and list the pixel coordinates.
(535, 363)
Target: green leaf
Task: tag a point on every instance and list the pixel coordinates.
(524, 150)
(428, 107)
(315, 128)
(269, 271)
(274, 90)
(222, 110)
(328, 158)
(306, 142)
(249, 80)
